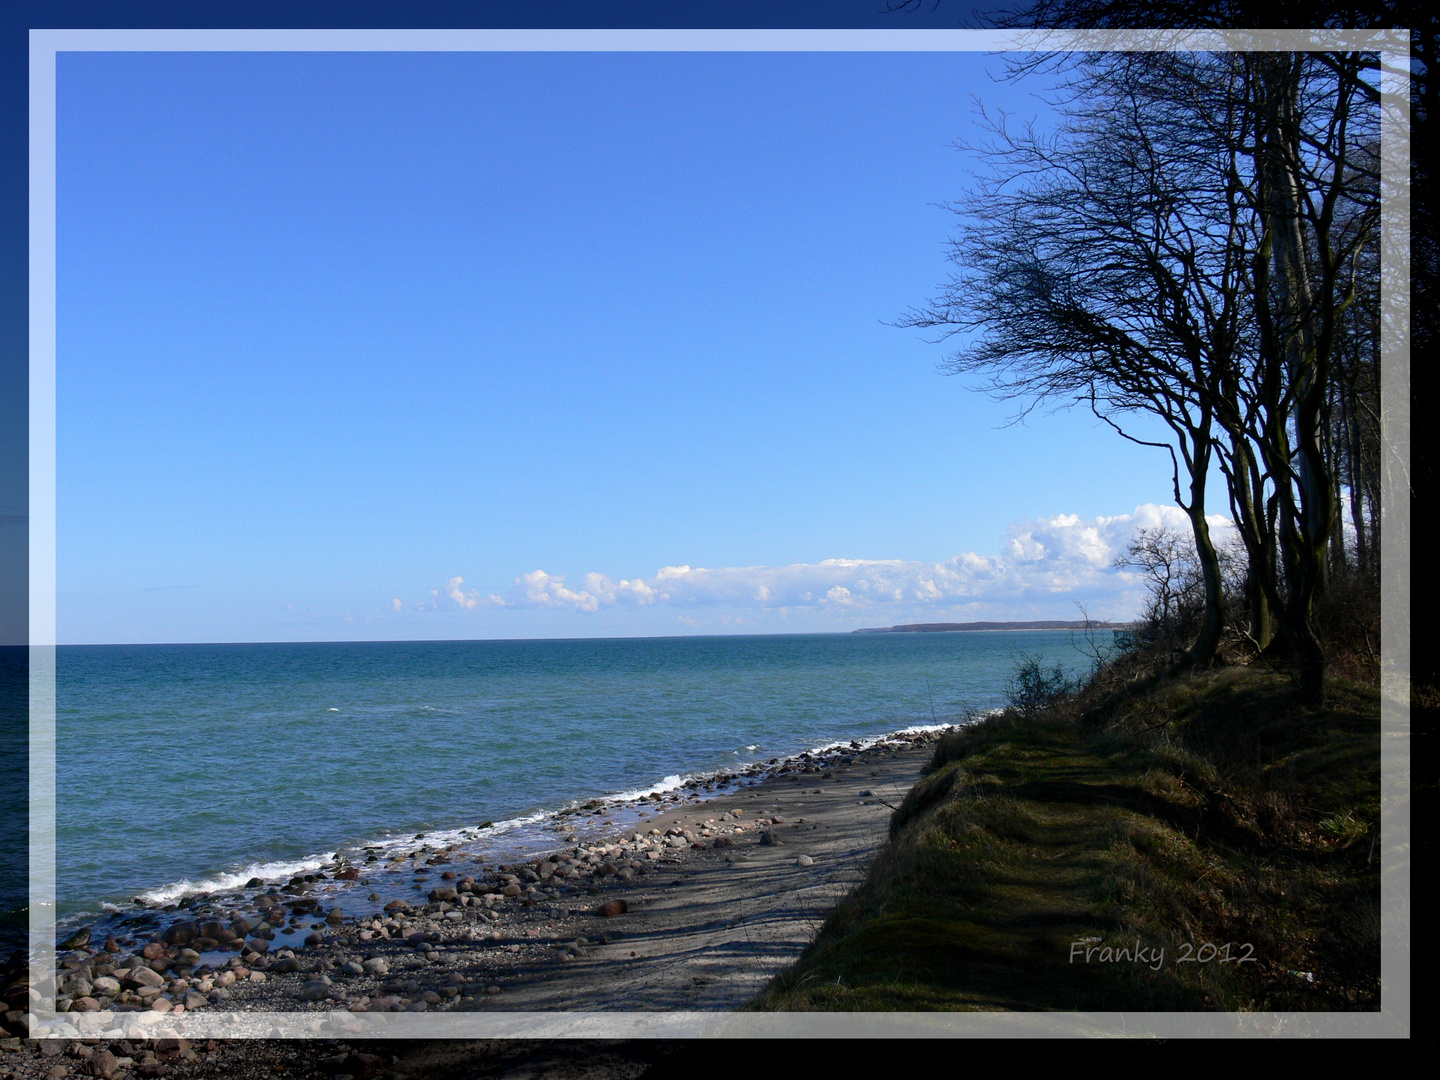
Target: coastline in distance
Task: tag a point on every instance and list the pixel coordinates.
(1042, 624)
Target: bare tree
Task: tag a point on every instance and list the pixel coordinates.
(1168, 562)
(1311, 182)
(1098, 266)
(1189, 246)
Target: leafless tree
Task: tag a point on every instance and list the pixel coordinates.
(1189, 244)
(1098, 266)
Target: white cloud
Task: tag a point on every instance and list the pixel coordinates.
(1045, 563)
(471, 599)
(396, 604)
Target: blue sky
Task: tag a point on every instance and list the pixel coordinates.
(521, 345)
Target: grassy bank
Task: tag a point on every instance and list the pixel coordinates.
(1170, 811)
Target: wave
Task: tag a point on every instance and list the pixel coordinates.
(520, 830)
(228, 881)
(671, 783)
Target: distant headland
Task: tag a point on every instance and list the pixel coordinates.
(1040, 624)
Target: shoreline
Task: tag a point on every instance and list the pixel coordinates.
(708, 898)
(383, 861)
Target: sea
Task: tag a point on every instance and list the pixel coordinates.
(189, 769)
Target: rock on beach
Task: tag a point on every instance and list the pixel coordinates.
(472, 932)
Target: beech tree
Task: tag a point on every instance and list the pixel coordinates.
(1098, 266)
(1189, 245)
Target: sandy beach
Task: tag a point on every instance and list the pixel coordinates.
(710, 925)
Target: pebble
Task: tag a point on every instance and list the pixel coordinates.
(455, 900)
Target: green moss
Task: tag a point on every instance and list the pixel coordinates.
(1204, 809)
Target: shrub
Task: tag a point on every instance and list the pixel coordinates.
(1031, 689)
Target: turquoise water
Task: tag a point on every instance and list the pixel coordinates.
(189, 767)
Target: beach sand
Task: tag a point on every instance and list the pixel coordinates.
(708, 928)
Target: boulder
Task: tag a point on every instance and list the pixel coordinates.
(143, 976)
(182, 932)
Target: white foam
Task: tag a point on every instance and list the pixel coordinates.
(227, 881)
(670, 783)
(401, 846)
(980, 714)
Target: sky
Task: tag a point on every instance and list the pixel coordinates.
(483, 345)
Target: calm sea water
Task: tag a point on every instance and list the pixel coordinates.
(183, 767)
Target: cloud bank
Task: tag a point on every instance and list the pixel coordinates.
(1041, 561)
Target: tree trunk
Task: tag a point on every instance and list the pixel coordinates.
(1207, 642)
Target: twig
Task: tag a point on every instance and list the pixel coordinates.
(1365, 636)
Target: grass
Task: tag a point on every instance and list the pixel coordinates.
(1170, 813)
